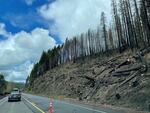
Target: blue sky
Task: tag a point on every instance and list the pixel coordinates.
(29, 27)
(18, 15)
(14, 9)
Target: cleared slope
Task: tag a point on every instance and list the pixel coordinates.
(118, 80)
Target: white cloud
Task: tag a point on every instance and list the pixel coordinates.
(21, 48)
(3, 32)
(72, 17)
(29, 2)
(18, 73)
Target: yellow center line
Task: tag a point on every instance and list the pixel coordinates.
(34, 105)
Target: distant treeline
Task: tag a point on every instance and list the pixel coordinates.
(12, 85)
(3, 84)
(7, 86)
(129, 29)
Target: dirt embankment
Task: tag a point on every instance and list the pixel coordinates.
(120, 80)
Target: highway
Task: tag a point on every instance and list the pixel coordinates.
(37, 104)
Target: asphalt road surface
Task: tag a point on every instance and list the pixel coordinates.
(38, 104)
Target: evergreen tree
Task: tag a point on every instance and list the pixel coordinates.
(2, 83)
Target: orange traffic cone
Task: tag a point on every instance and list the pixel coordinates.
(50, 109)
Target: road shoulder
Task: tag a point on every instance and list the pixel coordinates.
(90, 104)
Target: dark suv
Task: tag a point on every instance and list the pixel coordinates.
(14, 96)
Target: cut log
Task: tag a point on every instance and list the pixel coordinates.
(130, 78)
(91, 81)
(146, 75)
(94, 90)
(145, 51)
(87, 77)
(133, 68)
(126, 62)
(120, 74)
(108, 61)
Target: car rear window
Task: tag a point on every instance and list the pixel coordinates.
(15, 92)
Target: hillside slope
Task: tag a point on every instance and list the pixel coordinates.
(11, 85)
(121, 80)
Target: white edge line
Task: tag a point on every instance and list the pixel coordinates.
(3, 100)
(82, 107)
